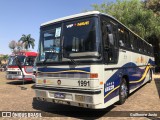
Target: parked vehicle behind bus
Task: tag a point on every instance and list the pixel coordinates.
(90, 60)
(27, 61)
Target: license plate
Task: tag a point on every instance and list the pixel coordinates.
(59, 95)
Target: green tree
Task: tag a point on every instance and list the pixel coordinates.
(132, 14)
(19, 46)
(154, 5)
(154, 39)
(27, 41)
(139, 18)
(5, 58)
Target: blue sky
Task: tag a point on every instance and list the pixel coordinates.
(19, 17)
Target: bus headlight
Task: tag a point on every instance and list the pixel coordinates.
(19, 73)
(28, 69)
(81, 98)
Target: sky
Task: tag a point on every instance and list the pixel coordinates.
(19, 17)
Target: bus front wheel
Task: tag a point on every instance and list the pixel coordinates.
(123, 91)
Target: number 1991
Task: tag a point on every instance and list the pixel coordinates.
(83, 83)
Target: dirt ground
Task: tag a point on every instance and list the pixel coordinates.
(12, 98)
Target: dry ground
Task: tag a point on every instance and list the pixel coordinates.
(12, 98)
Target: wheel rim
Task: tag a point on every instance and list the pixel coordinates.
(123, 91)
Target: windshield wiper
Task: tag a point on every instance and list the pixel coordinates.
(45, 61)
(72, 60)
(47, 58)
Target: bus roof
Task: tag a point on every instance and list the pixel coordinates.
(70, 17)
(26, 54)
(31, 53)
(89, 13)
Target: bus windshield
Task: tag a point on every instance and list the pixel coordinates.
(12, 62)
(78, 38)
(27, 61)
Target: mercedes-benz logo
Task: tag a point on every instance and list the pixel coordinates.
(59, 82)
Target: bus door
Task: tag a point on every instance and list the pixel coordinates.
(110, 41)
(29, 63)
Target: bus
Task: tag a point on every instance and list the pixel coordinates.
(90, 60)
(27, 61)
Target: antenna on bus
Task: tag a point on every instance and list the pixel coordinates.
(20, 67)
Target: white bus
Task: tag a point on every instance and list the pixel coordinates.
(90, 60)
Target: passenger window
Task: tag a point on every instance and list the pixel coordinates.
(132, 41)
(140, 45)
(145, 47)
(123, 37)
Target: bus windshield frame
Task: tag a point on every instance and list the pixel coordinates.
(72, 39)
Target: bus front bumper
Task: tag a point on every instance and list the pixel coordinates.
(73, 97)
(20, 77)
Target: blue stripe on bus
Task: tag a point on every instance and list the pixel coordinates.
(65, 70)
(134, 75)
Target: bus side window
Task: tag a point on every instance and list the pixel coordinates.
(30, 61)
(132, 41)
(111, 43)
(144, 47)
(123, 37)
(135, 43)
(105, 36)
(109, 33)
(127, 40)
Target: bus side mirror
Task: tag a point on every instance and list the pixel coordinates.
(18, 63)
(110, 35)
(111, 40)
(20, 67)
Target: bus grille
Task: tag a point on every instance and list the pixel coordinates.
(13, 73)
(64, 75)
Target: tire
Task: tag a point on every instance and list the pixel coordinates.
(123, 91)
(150, 76)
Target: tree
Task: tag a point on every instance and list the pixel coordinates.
(19, 46)
(153, 5)
(27, 41)
(132, 14)
(139, 18)
(12, 45)
(5, 58)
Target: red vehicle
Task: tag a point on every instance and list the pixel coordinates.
(27, 61)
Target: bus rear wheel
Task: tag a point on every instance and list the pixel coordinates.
(123, 91)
